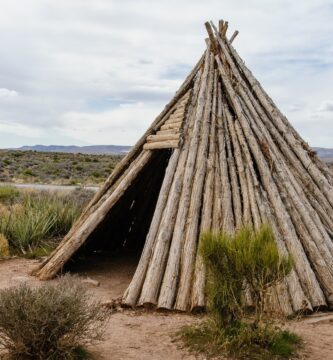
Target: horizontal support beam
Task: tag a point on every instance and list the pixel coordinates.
(161, 145)
(169, 131)
(175, 125)
(165, 137)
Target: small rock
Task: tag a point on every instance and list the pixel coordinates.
(91, 281)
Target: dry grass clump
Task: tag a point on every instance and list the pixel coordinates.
(38, 219)
(52, 322)
(4, 247)
(246, 259)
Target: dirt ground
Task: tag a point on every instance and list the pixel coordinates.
(150, 335)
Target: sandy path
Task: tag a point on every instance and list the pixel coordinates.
(149, 336)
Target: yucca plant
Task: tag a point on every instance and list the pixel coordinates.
(38, 217)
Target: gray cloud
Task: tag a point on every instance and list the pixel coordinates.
(326, 106)
(98, 71)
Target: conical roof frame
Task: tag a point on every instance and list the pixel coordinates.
(234, 160)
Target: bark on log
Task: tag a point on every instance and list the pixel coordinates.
(158, 138)
(298, 299)
(166, 144)
(228, 221)
(304, 270)
(169, 284)
(198, 294)
(132, 293)
(192, 230)
(156, 268)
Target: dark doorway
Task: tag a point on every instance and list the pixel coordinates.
(120, 238)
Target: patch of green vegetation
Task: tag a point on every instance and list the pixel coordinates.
(8, 193)
(33, 222)
(28, 172)
(96, 174)
(242, 341)
(55, 168)
(248, 260)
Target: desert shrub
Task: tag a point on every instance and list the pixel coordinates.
(39, 218)
(96, 174)
(8, 193)
(29, 172)
(49, 322)
(248, 259)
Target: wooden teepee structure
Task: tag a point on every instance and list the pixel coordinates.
(220, 155)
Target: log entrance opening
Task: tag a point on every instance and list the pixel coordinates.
(120, 237)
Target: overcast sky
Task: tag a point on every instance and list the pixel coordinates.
(98, 71)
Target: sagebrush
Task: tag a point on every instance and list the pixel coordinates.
(50, 322)
(247, 261)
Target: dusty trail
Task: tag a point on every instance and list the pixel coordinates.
(150, 336)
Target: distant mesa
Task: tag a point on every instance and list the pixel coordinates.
(92, 149)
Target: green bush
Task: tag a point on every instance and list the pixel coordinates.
(247, 260)
(50, 322)
(38, 218)
(29, 172)
(8, 193)
(96, 174)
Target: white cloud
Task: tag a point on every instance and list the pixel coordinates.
(119, 126)
(326, 106)
(5, 93)
(10, 128)
(80, 61)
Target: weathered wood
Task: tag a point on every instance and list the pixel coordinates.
(165, 144)
(228, 220)
(298, 299)
(170, 279)
(156, 267)
(211, 37)
(304, 270)
(192, 231)
(125, 162)
(221, 27)
(235, 187)
(237, 160)
(166, 137)
(289, 133)
(175, 125)
(198, 293)
(61, 256)
(132, 293)
(175, 119)
(240, 168)
(233, 37)
(168, 132)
